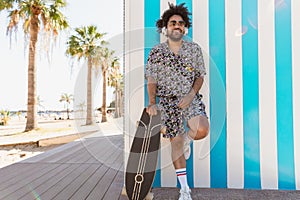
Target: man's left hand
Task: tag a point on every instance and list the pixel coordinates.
(186, 101)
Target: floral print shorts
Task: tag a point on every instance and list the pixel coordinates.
(173, 117)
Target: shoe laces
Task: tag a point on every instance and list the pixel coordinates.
(185, 194)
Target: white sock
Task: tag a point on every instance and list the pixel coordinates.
(189, 137)
(181, 175)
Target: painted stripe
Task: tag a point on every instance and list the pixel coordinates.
(189, 5)
(296, 85)
(164, 6)
(284, 100)
(235, 155)
(134, 61)
(151, 14)
(201, 154)
(267, 96)
(217, 70)
(168, 174)
(190, 161)
(168, 178)
(250, 95)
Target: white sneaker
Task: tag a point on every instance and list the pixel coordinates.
(187, 148)
(185, 194)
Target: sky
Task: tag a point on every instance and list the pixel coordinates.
(57, 76)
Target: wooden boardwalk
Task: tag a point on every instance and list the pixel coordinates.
(92, 169)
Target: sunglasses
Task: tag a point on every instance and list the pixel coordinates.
(174, 23)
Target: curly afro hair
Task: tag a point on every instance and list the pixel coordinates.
(174, 10)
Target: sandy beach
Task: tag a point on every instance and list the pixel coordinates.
(16, 153)
(15, 145)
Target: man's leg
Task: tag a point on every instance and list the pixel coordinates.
(177, 152)
(198, 127)
(179, 160)
(180, 166)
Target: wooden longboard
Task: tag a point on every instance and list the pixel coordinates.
(142, 160)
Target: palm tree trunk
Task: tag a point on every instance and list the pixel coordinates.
(68, 112)
(31, 122)
(89, 115)
(121, 103)
(103, 109)
(117, 102)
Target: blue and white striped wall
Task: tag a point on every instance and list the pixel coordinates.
(252, 90)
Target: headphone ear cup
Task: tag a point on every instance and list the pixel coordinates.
(186, 30)
(164, 31)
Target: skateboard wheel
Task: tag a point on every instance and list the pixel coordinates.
(124, 191)
(149, 196)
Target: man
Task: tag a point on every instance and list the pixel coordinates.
(175, 71)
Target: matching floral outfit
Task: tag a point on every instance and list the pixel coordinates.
(175, 75)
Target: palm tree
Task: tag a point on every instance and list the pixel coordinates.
(5, 116)
(106, 57)
(86, 44)
(34, 13)
(7, 4)
(40, 102)
(68, 98)
(115, 79)
(81, 107)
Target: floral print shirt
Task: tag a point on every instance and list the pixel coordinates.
(175, 74)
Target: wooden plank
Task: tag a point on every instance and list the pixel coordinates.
(19, 178)
(102, 156)
(104, 183)
(115, 189)
(88, 142)
(73, 175)
(71, 188)
(12, 171)
(45, 155)
(26, 185)
(91, 183)
(67, 154)
(87, 187)
(89, 152)
(64, 182)
(51, 181)
(83, 157)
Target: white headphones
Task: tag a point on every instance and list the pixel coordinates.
(164, 31)
(186, 31)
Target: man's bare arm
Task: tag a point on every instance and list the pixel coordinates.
(151, 86)
(197, 86)
(185, 101)
(151, 90)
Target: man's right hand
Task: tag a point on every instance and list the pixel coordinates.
(151, 109)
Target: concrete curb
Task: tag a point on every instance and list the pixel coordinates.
(52, 140)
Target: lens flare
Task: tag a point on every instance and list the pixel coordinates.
(241, 31)
(252, 22)
(280, 4)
